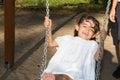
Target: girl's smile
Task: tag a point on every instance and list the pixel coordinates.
(86, 29)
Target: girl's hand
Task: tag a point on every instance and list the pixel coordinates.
(47, 22)
(103, 34)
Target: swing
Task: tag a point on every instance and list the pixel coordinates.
(98, 65)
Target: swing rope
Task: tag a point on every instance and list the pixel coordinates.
(98, 66)
(44, 57)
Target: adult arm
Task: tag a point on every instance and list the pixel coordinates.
(113, 10)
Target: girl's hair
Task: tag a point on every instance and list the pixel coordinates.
(88, 17)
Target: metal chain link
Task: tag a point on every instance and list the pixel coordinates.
(44, 57)
(98, 66)
(47, 8)
(106, 13)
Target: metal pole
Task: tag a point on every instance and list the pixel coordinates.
(9, 32)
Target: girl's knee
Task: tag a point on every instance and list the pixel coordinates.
(62, 77)
(48, 76)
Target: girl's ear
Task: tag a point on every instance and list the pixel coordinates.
(76, 27)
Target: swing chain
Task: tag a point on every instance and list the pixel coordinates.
(98, 66)
(47, 8)
(44, 57)
(106, 13)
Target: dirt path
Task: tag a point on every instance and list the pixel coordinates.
(28, 51)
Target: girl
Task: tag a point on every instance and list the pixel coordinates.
(76, 55)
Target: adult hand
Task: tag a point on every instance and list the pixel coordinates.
(112, 15)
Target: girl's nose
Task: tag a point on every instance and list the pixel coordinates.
(87, 30)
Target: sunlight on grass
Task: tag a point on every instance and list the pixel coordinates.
(51, 2)
(22, 3)
(63, 2)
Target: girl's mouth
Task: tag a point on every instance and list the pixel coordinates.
(84, 33)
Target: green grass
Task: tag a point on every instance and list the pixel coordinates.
(51, 2)
(27, 3)
(64, 2)
(60, 4)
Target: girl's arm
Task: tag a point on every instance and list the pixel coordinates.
(103, 36)
(97, 53)
(51, 41)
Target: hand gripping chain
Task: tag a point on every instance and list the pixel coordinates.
(98, 66)
(44, 57)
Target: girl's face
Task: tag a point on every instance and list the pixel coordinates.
(86, 29)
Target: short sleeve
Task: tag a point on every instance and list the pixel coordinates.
(63, 39)
(95, 47)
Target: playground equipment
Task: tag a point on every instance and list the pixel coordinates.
(98, 66)
(9, 9)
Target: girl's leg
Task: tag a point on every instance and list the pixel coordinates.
(48, 76)
(62, 77)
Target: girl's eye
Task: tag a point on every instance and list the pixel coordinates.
(84, 26)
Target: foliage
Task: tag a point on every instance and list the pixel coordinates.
(54, 3)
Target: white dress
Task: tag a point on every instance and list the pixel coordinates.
(74, 57)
